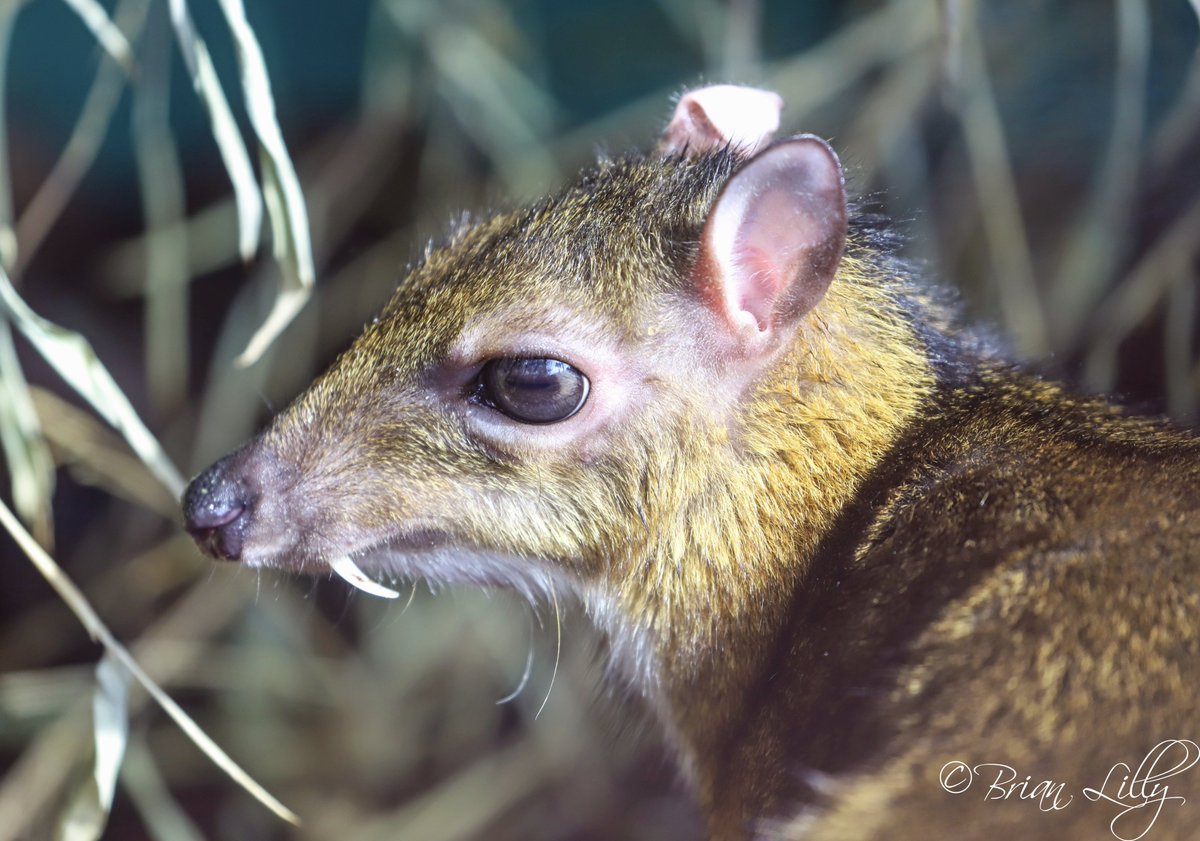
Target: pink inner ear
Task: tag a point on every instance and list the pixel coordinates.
(768, 248)
(760, 286)
(775, 235)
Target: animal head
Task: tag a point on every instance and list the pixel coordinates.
(602, 391)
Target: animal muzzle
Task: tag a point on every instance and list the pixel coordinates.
(217, 508)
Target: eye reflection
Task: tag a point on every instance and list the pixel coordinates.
(533, 390)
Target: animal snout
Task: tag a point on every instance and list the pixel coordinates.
(217, 507)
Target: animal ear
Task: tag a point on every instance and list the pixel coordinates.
(712, 118)
(773, 240)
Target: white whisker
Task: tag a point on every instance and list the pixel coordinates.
(528, 669)
(557, 650)
(412, 595)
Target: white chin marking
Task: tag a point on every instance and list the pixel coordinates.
(350, 572)
(529, 577)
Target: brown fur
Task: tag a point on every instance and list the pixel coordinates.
(887, 551)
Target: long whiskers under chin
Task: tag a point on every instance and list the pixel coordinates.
(486, 568)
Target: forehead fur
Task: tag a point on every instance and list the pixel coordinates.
(624, 232)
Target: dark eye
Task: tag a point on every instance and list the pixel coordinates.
(533, 390)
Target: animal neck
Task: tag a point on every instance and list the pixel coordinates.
(735, 510)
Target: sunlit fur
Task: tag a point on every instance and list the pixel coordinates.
(684, 524)
(830, 568)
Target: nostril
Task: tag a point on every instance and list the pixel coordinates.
(213, 515)
(216, 509)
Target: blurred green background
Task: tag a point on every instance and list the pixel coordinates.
(1042, 156)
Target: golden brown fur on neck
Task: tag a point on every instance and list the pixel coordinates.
(735, 507)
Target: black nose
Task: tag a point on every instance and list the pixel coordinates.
(216, 507)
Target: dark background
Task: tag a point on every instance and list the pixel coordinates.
(1042, 156)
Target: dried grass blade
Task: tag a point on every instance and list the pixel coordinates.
(8, 235)
(88, 617)
(87, 812)
(281, 187)
(110, 719)
(73, 358)
(105, 32)
(225, 131)
(161, 815)
(1098, 243)
(30, 465)
(1004, 224)
(77, 157)
(165, 267)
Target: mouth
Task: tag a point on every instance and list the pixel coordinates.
(312, 555)
(438, 558)
(428, 553)
(346, 566)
